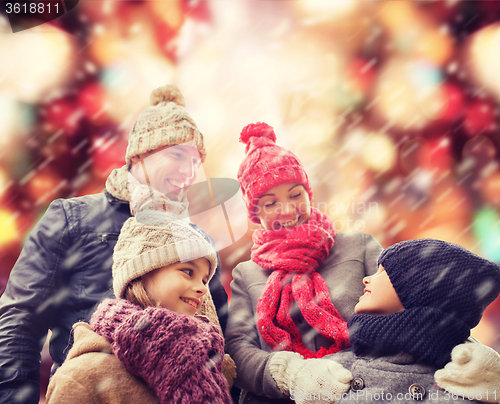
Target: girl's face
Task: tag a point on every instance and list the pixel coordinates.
(379, 297)
(170, 170)
(179, 287)
(286, 205)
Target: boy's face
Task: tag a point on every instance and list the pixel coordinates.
(170, 170)
(284, 206)
(379, 297)
(179, 287)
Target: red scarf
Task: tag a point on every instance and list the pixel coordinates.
(294, 255)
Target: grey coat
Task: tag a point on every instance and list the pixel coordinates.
(352, 257)
(394, 379)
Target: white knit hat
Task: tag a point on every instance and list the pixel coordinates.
(151, 241)
(164, 123)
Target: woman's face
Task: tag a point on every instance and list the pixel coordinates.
(379, 297)
(284, 206)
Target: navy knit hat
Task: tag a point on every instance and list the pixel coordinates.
(446, 276)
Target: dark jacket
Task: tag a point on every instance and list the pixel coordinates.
(62, 273)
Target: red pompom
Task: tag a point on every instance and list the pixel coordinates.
(259, 129)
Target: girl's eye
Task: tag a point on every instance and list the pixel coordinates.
(269, 204)
(187, 271)
(296, 196)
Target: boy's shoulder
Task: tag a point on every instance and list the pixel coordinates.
(398, 377)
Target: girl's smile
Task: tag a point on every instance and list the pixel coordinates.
(195, 303)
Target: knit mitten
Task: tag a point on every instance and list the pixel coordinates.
(474, 371)
(306, 380)
(110, 314)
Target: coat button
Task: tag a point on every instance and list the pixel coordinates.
(357, 384)
(417, 391)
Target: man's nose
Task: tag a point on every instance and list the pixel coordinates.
(188, 168)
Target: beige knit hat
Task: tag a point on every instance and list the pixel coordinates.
(152, 240)
(164, 123)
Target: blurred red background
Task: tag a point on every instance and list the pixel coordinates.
(391, 106)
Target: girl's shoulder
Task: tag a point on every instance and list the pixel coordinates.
(90, 365)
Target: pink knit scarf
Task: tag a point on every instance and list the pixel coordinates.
(294, 255)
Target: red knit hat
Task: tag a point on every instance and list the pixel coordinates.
(266, 166)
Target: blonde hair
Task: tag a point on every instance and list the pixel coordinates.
(136, 293)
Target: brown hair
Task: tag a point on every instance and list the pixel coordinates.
(136, 293)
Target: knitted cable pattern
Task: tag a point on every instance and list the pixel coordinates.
(164, 123)
(179, 357)
(142, 248)
(294, 255)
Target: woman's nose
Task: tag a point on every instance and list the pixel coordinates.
(366, 280)
(288, 208)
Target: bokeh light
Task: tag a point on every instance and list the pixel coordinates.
(483, 56)
(35, 62)
(408, 92)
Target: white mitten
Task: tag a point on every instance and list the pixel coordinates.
(309, 380)
(474, 372)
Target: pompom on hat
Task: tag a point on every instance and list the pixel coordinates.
(153, 240)
(266, 165)
(442, 275)
(164, 123)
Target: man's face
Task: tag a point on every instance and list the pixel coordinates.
(170, 170)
